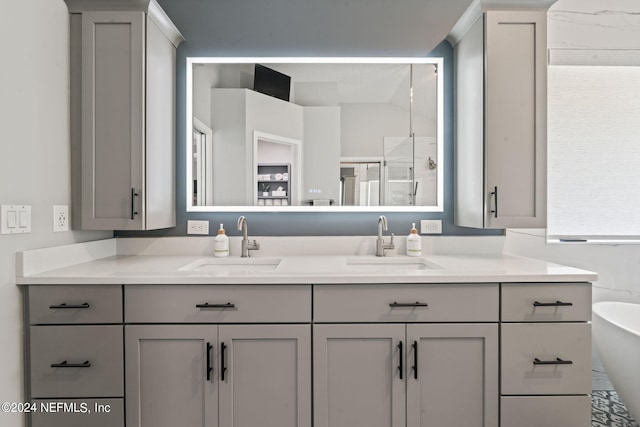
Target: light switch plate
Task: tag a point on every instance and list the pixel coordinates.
(15, 219)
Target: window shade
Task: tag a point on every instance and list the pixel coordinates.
(593, 152)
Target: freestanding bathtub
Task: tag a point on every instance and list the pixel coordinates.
(616, 332)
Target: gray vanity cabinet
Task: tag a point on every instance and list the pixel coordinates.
(227, 375)
(75, 357)
(123, 116)
(417, 371)
(545, 355)
(246, 363)
(501, 74)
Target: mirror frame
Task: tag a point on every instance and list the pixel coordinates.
(439, 62)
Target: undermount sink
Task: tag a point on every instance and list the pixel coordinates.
(389, 264)
(232, 265)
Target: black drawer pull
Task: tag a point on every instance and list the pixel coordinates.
(552, 304)
(65, 305)
(209, 367)
(207, 305)
(65, 364)
(408, 304)
(558, 361)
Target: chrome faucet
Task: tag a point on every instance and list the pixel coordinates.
(246, 244)
(380, 244)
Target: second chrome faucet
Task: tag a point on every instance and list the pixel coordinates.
(246, 244)
(380, 244)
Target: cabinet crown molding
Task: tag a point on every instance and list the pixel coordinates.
(150, 7)
(478, 7)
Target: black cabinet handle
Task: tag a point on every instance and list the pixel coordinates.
(401, 356)
(408, 304)
(65, 305)
(223, 368)
(133, 208)
(415, 359)
(65, 364)
(558, 361)
(494, 193)
(552, 304)
(207, 305)
(209, 367)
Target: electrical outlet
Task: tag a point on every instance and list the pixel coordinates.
(431, 226)
(198, 227)
(60, 218)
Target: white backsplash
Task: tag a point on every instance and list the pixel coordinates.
(616, 264)
(310, 245)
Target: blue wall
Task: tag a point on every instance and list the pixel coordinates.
(305, 28)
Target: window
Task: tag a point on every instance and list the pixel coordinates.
(594, 146)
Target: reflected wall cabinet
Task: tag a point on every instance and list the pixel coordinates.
(501, 74)
(123, 64)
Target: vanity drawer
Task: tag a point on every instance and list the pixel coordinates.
(546, 302)
(218, 304)
(96, 353)
(523, 343)
(406, 303)
(103, 413)
(536, 411)
(74, 304)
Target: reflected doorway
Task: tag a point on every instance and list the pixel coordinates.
(360, 183)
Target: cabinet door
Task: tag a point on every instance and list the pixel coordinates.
(265, 375)
(515, 119)
(168, 383)
(452, 375)
(113, 120)
(359, 375)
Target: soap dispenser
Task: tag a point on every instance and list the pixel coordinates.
(414, 242)
(221, 243)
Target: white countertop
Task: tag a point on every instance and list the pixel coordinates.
(171, 269)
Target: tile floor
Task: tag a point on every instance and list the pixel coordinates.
(606, 408)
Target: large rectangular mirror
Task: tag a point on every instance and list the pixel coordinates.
(310, 134)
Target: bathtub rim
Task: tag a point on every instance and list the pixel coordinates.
(596, 308)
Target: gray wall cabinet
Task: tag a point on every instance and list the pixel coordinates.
(501, 74)
(123, 116)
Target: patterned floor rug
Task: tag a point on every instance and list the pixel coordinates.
(608, 411)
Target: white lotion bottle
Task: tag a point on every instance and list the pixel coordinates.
(221, 243)
(414, 242)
